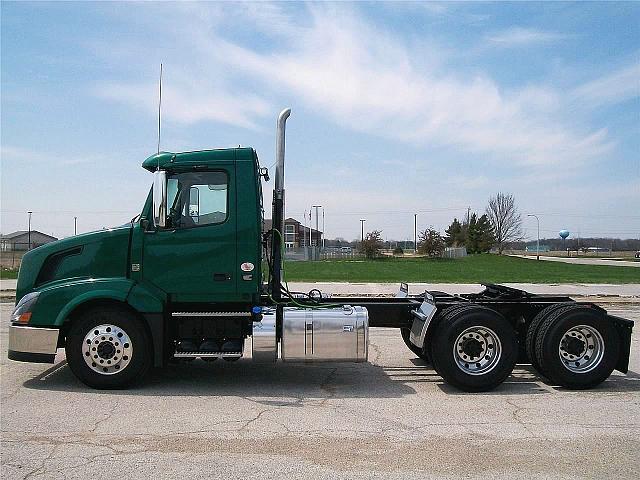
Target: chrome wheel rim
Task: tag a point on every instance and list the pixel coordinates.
(477, 350)
(107, 349)
(581, 349)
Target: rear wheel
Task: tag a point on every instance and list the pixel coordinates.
(108, 348)
(474, 348)
(577, 347)
(532, 332)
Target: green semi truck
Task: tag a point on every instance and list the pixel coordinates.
(194, 276)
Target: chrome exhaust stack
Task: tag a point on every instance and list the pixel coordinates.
(277, 215)
(280, 141)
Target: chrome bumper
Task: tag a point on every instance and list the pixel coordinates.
(32, 344)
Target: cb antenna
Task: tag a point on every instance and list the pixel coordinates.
(159, 110)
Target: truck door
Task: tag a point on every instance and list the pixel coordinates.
(194, 258)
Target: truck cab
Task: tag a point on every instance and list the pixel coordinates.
(205, 255)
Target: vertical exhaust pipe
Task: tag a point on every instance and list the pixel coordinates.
(280, 148)
(277, 213)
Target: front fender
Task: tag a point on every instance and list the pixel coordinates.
(58, 300)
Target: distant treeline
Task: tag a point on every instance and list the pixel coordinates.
(616, 244)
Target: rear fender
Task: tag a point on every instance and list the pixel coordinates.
(624, 328)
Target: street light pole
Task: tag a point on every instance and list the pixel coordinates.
(29, 234)
(317, 228)
(538, 240)
(362, 220)
(75, 225)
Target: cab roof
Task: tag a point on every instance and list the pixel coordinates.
(178, 161)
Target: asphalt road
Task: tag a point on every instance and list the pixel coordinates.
(391, 419)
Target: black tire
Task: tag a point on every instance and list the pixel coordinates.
(138, 362)
(532, 332)
(419, 352)
(548, 347)
(453, 324)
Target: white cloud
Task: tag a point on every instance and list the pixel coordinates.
(368, 80)
(189, 101)
(520, 36)
(615, 87)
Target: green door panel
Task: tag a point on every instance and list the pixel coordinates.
(196, 260)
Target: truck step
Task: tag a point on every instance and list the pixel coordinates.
(211, 314)
(207, 355)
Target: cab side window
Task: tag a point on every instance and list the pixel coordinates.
(202, 199)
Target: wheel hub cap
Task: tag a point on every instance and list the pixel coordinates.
(107, 349)
(477, 350)
(581, 349)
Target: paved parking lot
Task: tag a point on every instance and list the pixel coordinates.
(392, 418)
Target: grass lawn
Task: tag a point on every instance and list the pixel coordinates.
(472, 269)
(8, 273)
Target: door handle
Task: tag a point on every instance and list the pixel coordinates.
(221, 277)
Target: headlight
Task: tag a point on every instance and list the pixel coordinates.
(22, 312)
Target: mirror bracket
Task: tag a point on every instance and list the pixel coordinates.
(160, 198)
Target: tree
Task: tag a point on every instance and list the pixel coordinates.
(371, 244)
(505, 220)
(431, 243)
(398, 251)
(455, 235)
(479, 235)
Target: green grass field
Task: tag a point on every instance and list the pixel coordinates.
(472, 269)
(8, 273)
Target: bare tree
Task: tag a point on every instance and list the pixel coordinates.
(505, 220)
(371, 244)
(431, 243)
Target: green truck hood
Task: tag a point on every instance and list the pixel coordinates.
(100, 254)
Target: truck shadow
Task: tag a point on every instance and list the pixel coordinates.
(292, 383)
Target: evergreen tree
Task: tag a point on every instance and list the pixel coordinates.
(485, 234)
(455, 235)
(473, 235)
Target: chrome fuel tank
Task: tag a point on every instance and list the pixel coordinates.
(338, 334)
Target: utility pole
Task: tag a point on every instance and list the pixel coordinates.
(317, 228)
(538, 240)
(415, 233)
(75, 225)
(323, 232)
(29, 234)
(310, 237)
(362, 220)
(304, 228)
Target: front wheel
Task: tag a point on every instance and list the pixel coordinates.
(108, 348)
(474, 348)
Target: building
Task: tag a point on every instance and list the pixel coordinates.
(19, 241)
(296, 235)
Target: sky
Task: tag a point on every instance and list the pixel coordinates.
(397, 108)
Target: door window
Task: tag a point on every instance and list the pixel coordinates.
(201, 199)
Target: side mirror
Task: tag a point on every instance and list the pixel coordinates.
(160, 198)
